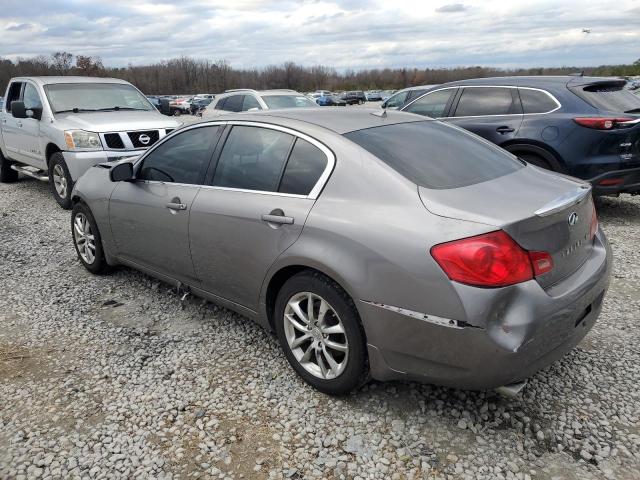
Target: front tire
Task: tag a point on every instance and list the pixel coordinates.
(7, 175)
(319, 329)
(60, 181)
(87, 240)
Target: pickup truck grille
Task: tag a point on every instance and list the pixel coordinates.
(113, 141)
(144, 139)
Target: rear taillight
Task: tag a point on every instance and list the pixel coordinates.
(602, 123)
(594, 222)
(490, 260)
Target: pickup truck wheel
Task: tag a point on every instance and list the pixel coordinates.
(7, 175)
(87, 240)
(60, 182)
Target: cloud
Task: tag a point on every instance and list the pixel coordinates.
(18, 27)
(452, 7)
(346, 34)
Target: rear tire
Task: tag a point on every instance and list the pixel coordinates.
(348, 367)
(536, 160)
(87, 240)
(60, 181)
(7, 175)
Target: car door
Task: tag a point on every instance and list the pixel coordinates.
(149, 216)
(11, 126)
(265, 183)
(29, 143)
(494, 113)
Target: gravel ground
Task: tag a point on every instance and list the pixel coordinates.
(116, 377)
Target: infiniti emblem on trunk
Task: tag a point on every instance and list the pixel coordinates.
(144, 139)
(573, 219)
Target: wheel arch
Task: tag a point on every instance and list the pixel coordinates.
(537, 148)
(50, 149)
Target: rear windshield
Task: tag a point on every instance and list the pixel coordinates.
(609, 97)
(434, 155)
(288, 101)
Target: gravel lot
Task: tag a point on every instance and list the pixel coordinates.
(115, 377)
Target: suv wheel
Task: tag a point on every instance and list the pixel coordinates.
(87, 240)
(320, 332)
(536, 160)
(7, 175)
(60, 182)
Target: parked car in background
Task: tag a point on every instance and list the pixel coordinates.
(320, 93)
(180, 106)
(373, 96)
(199, 104)
(55, 128)
(487, 269)
(587, 127)
(355, 97)
(385, 94)
(242, 100)
(330, 101)
(404, 96)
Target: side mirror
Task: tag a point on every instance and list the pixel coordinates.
(122, 172)
(165, 107)
(18, 110)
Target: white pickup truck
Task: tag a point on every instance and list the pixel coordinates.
(55, 128)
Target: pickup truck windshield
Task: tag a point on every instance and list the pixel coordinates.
(91, 97)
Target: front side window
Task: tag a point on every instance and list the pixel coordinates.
(396, 100)
(31, 98)
(288, 101)
(253, 159)
(433, 104)
(436, 155)
(250, 102)
(536, 101)
(480, 101)
(233, 103)
(92, 97)
(304, 168)
(181, 159)
(13, 95)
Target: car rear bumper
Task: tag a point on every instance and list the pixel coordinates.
(617, 181)
(511, 332)
(80, 162)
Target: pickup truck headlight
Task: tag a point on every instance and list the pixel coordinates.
(81, 139)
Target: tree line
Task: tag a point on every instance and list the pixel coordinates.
(186, 75)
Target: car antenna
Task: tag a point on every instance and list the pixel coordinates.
(382, 114)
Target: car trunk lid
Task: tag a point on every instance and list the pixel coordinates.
(540, 210)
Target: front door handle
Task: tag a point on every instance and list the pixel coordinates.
(176, 206)
(504, 129)
(279, 219)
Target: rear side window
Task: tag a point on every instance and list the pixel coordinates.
(183, 158)
(253, 159)
(611, 97)
(436, 155)
(250, 102)
(433, 104)
(304, 168)
(233, 103)
(536, 101)
(480, 101)
(220, 104)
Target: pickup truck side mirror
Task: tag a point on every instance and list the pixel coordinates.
(18, 110)
(165, 107)
(122, 172)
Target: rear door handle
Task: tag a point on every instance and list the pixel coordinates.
(280, 219)
(19, 124)
(176, 206)
(505, 129)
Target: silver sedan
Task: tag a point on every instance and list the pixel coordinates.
(376, 245)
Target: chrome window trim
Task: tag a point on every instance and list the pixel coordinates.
(550, 95)
(313, 194)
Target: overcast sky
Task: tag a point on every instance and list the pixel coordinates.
(342, 33)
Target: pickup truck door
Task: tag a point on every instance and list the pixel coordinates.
(29, 142)
(11, 127)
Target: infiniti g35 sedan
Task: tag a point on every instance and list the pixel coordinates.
(376, 245)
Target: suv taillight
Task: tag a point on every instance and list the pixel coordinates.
(490, 260)
(602, 123)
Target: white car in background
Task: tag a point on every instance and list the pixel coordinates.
(244, 100)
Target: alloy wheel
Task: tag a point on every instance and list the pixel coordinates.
(60, 181)
(84, 238)
(316, 336)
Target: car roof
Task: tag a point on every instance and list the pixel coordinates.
(533, 81)
(335, 119)
(49, 80)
